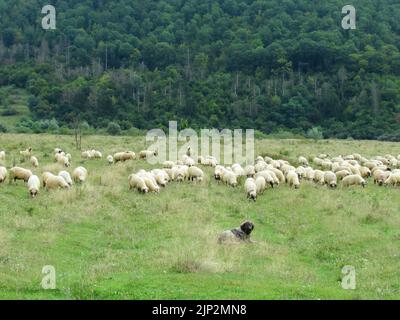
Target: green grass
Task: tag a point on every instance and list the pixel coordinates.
(107, 242)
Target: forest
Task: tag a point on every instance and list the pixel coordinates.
(270, 65)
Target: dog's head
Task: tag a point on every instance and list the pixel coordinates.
(247, 227)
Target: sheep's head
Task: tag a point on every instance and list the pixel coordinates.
(333, 184)
(33, 193)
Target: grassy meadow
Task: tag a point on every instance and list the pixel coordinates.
(107, 242)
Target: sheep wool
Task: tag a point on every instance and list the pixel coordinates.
(293, 179)
(3, 174)
(17, 173)
(353, 180)
(251, 189)
(33, 185)
(79, 174)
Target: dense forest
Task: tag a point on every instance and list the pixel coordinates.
(271, 65)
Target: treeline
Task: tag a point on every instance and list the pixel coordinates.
(269, 65)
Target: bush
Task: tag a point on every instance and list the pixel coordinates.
(113, 128)
(3, 128)
(315, 133)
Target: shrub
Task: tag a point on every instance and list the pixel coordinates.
(315, 133)
(113, 128)
(3, 128)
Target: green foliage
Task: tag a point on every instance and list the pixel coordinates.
(113, 129)
(315, 133)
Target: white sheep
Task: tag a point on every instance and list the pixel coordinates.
(110, 159)
(56, 182)
(230, 178)
(145, 154)
(353, 179)
(303, 161)
(33, 185)
(319, 176)
(2, 155)
(330, 179)
(342, 173)
(195, 173)
(66, 176)
(3, 174)
(168, 164)
(79, 174)
(34, 162)
(17, 173)
(394, 179)
(249, 171)
(293, 179)
(261, 184)
(26, 153)
(251, 188)
(136, 182)
(267, 177)
(149, 181)
(63, 160)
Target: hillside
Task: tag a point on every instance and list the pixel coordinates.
(270, 65)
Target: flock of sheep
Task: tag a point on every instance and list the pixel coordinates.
(265, 173)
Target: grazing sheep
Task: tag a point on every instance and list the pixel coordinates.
(45, 177)
(97, 154)
(124, 156)
(261, 184)
(380, 176)
(238, 170)
(160, 176)
(66, 176)
(69, 157)
(393, 179)
(195, 173)
(249, 171)
(3, 174)
(319, 176)
(33, 185)
(187, 161)
(218, 172)
(56, 182)
(352, 180)
(251, 189)
(260, 166)
(2, 155)
(136, 182)
(110, 159)
(365, 172)
(57, 150)
(86, 155)
(241, 234)
(63, 160)
(309, 174)
(303, 161)
(343, 173)
(26, 153)
(182, 173)
(330, 179)
(279, 174)
(230, 178)
(293, 179)
(168, 164)
(34, 162)
(267, 177)
(17, 173)
(145, 154)
(79, 174)
(149, 181)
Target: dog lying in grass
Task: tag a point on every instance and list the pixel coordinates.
(241, 234)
